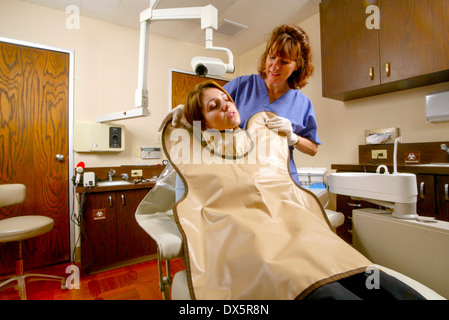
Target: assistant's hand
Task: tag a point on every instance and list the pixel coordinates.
(174, 115)
(283, 125)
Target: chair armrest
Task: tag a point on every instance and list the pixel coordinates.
(425, 291)
(162, 228)
(335, 218)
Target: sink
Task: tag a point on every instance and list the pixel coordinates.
(112, 183)
(432, 165)
(399, 187)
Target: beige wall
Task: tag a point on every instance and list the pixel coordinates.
(341, 125)
(106, 63)
(106, 78)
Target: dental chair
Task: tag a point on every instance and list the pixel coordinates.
(155, 215)
(19, 228)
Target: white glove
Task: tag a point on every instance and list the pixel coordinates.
(174, 115)
(283, 125)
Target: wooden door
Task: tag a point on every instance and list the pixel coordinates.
(183, 83)
(413, 38)
(349, 50)
(34, 100)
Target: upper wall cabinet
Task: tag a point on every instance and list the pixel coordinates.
(409, 46)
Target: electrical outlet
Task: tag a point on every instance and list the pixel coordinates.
(136, 173)
(379, 154)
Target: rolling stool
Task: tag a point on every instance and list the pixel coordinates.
(22, 228)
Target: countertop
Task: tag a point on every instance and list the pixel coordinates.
(416, 169)
(133, 186)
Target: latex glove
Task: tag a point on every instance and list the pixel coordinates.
(174, 115)
(283, 125)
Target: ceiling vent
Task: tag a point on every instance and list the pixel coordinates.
(230, 29)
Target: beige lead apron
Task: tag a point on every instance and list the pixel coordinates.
(250, 232)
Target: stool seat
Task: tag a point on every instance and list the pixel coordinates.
(24, 227)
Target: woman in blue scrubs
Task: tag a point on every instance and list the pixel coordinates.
(284, 68)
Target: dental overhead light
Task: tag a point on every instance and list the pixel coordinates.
(201, 65)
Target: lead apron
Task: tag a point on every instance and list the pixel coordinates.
(249, 231)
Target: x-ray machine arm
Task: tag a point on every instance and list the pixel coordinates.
(209, 21)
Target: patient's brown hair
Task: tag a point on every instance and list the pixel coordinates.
(193, 110)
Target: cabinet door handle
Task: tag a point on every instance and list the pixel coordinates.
(388, 69)
(356, 205)
(446, 192)
(123, 199)
(371, 73)
(421, 190)
(110, 201)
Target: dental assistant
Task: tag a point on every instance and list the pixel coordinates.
(283, 69)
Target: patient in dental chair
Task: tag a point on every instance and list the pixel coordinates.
(249, 231)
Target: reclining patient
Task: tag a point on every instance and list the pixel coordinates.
(249, 231)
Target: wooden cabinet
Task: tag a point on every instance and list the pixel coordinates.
(433, 196)
(348, 49)
(425, 205)
(411, 44)
(345, 205)
(111, 234)
(442, 197)
(413, 38)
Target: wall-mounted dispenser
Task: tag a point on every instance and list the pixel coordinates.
(437, 106)
(98, 137)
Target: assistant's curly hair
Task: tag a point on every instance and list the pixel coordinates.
(290, 42)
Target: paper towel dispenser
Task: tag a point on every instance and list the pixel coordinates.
(98, 137)
(437, 106)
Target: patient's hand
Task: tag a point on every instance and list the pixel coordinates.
(174, 115)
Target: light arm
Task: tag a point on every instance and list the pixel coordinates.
(209, 21)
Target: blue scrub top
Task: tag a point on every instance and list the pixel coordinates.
(250, 95)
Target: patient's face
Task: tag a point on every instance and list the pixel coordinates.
(218, 111)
